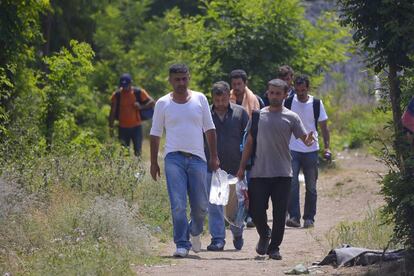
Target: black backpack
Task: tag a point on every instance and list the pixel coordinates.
(253, 129)
(145, 114)
(316, 108)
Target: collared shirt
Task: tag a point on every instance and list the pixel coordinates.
(229, 136)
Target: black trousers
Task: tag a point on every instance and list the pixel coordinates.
(260, 190)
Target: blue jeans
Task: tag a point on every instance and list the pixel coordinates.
(216, 224)
(126, 134)
(308, 162)
(186, 175)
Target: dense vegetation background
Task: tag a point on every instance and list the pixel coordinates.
(73, 199)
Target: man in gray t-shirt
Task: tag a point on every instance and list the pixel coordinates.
(271, 173)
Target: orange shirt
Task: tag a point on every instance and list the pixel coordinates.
(129, 115)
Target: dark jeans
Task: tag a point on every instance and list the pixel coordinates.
(260, 189)
(308, 162)
(134, 134)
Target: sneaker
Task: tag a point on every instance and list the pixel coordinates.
(195, 243)
(181, 252)
(308, 223)
(238, 242)
(249, 223)
(215, 246)
(262, 245)
(275, 255)
(293, 222)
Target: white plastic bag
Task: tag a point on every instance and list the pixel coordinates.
(235, 210)
(219, 189)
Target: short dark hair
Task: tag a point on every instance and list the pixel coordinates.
(238, 74)
(178, 68)
(302, 79)
(284, 70)
(279, 83)
(220, 88)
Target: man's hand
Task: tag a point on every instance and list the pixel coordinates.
(309, 139)
(137, 106)
(214, 163)
(240, 174)
(327, 155)
(155, 171)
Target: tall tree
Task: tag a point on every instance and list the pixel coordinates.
(385, 30)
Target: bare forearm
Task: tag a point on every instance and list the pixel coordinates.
(247, 152)
(154, 148)
(212, 142)
(325, 134)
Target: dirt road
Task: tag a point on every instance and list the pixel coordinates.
(344, 194)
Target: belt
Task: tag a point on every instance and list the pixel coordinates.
(186, 154)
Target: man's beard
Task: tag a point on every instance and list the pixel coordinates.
(275, 102)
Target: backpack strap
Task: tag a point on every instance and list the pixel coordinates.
(316, 111)
(254, 129)
(288, 102)
(117, 103)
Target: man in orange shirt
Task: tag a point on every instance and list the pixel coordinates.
(126, 104)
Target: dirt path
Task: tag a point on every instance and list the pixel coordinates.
(344, 194)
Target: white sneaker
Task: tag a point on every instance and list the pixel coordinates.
(181, 252)
(195, 243)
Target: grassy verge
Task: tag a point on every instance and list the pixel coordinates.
(372, 232)
(81, 212)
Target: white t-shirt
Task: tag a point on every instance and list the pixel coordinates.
(184, 123)
(305, 112)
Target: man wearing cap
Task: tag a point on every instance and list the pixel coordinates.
(125, 107)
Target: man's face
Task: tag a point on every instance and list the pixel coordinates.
(288, 79)
(179, 82)
(276, 95)
(302, 91)
(238, 85)
(221, 102)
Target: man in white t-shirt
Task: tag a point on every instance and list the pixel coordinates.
(312, 113)
(185, 115)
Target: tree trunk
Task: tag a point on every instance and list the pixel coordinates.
(401, 150)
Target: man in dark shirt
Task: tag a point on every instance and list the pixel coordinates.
(230, 121)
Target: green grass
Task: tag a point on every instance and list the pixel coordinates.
(372, 232)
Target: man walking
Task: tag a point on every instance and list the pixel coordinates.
(271, 173)
(285, 72)
(240, 93)
(312, 113)
(185, 115)
(126, 104)
(230, 121)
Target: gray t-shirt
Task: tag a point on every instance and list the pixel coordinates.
(272, 151)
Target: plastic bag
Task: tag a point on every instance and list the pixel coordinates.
(236, 208)
(219, 189)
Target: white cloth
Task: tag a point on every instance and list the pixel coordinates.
(184, 124)
(305, 112)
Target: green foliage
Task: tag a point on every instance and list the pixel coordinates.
(257, 36)
(384, 28)
(399, 195)
(65, 88)
(19, 33)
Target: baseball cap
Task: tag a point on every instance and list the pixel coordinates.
(125, 80)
